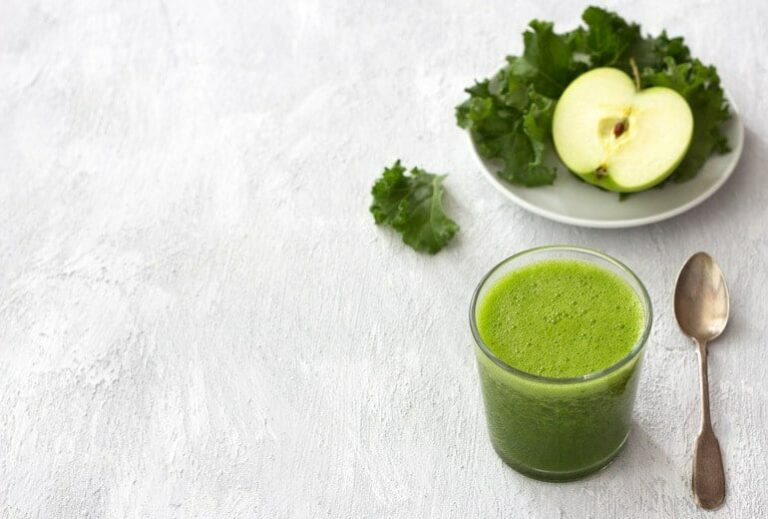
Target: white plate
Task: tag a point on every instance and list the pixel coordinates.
(574, 202)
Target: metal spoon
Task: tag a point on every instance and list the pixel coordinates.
(701, 308)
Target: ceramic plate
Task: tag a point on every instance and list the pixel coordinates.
(574, 202)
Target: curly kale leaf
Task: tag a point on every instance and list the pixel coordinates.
(412, 204)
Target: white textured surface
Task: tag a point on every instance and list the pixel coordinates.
(198, 317)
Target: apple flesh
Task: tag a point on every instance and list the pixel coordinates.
(619, 138)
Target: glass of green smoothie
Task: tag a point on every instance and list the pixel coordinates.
(559, 334)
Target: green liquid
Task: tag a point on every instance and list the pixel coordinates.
(559, 319)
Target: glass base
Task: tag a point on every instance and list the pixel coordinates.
(571, 475)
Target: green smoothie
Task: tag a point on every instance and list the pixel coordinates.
(560, 318)
(557, 323)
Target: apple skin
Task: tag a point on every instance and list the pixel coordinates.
(659, 117)
(610, 185)
(606, 182)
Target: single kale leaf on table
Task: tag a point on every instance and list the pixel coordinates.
(509, 115)
(412, 204)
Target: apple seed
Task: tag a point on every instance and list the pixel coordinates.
(619, 128)
(601, 172)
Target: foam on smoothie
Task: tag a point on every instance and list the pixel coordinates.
(560, 318)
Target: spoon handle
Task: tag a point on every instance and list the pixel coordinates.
(708, 474)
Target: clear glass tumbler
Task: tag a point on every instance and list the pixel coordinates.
(558, 429)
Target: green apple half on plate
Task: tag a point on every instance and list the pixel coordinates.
(618, 137)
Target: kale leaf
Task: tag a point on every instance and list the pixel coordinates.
(412, 204)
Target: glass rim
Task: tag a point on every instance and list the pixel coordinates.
(636, 348)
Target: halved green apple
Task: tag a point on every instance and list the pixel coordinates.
(619, 138)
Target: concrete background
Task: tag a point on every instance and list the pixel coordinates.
(198, 317)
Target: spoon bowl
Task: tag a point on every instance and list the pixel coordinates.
(701, 298)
